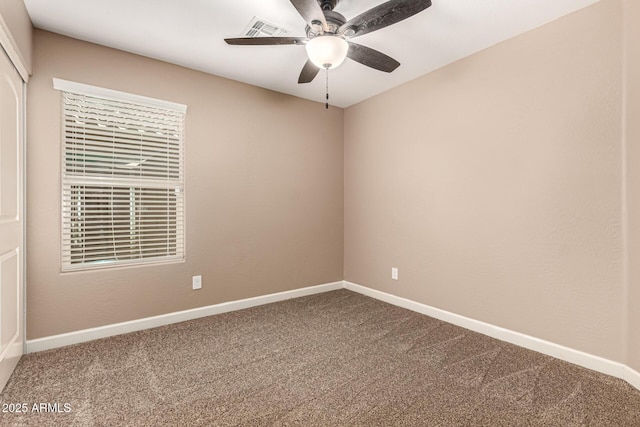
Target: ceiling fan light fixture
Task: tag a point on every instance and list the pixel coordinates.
(327, 51)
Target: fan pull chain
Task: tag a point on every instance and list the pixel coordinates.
(326, 105)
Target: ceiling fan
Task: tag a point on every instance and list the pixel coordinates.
(329, 34)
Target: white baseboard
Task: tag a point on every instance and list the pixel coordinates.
(632, 377)
(576, 357)
(76, 337)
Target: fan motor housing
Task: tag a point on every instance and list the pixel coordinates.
(328, 4)
(334, 21)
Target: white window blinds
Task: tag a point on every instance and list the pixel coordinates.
(122, 178)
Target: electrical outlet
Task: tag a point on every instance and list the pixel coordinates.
(394, 273)
(196, 282)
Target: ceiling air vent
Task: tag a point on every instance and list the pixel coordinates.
(258, 27)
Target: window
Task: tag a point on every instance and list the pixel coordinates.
(122, 178)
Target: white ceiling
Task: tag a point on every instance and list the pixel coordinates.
(191, 33)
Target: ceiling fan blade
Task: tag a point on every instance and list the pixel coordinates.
(383, 15)
(263, 41)
(311, 11)
(371, 58)
(309, 72)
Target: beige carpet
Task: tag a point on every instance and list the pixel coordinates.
(334, 359)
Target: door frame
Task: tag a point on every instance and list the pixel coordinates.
(10, 47)
(24, 217)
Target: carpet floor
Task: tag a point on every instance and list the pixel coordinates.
(333, 359)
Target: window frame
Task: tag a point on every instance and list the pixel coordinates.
(176, 234)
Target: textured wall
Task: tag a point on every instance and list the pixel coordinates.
(493, 184)
(632, 127)
(15, 16)
(264, 195)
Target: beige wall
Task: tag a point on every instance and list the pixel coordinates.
(15, 16)
(632, 127)
(494, 185)
(264, 194)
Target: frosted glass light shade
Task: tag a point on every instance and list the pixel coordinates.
(327, 51)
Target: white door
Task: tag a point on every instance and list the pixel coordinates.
(11, 218)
